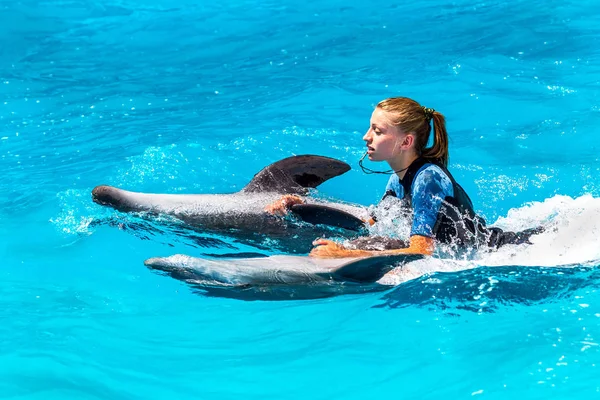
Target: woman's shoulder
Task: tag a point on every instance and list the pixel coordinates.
(432, 170)
(432, 175)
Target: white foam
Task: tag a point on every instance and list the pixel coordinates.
(391, 219)
(572, 236)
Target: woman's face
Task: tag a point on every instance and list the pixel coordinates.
(384, 140)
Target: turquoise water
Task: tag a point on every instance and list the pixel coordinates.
(196, 97)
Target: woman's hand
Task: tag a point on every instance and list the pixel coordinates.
(330, 249)
(282, 206)
(368, 220)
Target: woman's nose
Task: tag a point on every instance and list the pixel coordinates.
(367, 137)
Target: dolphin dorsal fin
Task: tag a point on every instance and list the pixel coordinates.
(296, 174)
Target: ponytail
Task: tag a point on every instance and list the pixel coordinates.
(439, 150)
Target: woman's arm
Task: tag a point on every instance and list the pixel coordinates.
(330, 249)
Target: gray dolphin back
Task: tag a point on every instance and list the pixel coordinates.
(281, 277)
(242, 215)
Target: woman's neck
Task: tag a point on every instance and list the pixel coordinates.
(401, 164)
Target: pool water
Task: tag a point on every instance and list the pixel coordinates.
(196, 97)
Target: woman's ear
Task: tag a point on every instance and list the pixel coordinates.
(409, 140)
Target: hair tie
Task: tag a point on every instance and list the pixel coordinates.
(428, 113)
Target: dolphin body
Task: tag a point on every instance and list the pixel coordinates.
(242, 216)
(280, 277)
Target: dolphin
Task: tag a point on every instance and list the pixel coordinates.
(280, 277)
(242, 215)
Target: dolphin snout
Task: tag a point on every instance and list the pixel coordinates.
(101, 194)
(112, 197)
(172, 266)
(156, 263)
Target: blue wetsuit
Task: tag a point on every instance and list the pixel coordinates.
(442, 210)
(429, 188)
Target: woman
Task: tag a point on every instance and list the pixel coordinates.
(441, 210)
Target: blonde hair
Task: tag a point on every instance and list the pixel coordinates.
(410, 116)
